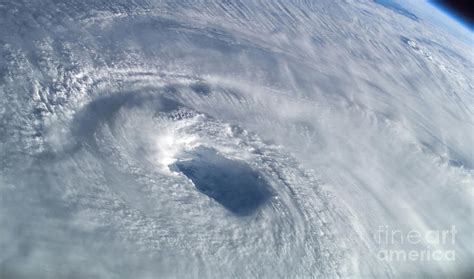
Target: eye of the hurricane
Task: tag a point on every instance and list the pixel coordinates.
(231, 183)
(154, 137)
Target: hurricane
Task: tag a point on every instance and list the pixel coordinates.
(235, 139)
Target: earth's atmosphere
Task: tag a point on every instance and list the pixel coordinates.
(235, 139)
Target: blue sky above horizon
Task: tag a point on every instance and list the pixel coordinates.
(432, 13)
(455, 15)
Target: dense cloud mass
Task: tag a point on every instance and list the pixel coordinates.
(243, 139)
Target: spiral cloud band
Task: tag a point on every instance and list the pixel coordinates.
(234, 139)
